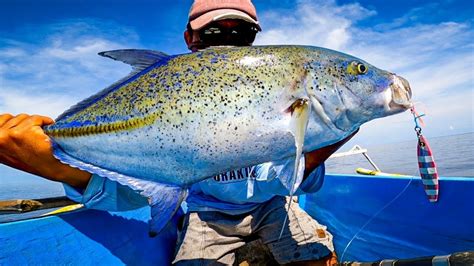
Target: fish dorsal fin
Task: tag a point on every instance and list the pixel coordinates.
(139, 59)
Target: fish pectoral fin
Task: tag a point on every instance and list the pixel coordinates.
(138, 58)
(164, 199)
(300, 111)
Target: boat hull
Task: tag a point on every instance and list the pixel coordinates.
(371, 217)
(86, 237)
(389, 217)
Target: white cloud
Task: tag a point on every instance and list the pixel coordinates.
(47, 104)
(61, 68)
(437, 59)
(419, 46)
(12, 52)
(322, 24)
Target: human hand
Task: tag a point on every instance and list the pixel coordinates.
(314, 158)
(25, 146)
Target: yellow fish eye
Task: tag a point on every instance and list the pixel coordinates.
(357, 68)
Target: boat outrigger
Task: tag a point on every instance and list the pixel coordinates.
(375, 218)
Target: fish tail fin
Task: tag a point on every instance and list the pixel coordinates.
(164, 199)
(300, 111)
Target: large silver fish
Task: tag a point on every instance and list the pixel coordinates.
(177, 120)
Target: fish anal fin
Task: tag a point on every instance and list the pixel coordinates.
(164, 205)
(164, 199)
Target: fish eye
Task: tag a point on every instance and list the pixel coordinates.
(361, 68)
(357, 68)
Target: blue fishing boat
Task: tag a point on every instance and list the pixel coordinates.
(372, 217)
(389, 217)
(80, 236)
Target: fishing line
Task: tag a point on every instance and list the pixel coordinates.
(427, 169)
(375, 215)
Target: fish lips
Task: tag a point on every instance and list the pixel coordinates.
(401, 94)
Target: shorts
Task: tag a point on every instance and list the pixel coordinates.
(210, 237)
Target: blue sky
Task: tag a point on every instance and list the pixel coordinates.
(48, 53)
(48, 49)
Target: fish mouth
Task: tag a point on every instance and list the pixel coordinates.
(401, 94)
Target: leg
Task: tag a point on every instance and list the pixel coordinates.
(209, 238)
(303, 239)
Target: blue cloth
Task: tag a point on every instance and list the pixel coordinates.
(229, 192)
(234, 192)
(104, 194)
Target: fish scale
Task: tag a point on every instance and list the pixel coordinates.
(179, 119)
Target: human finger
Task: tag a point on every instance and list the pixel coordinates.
(13, 122)
(4, 118)
(34, 121)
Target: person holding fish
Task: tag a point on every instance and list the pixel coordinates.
(221, 215)
(224, 211)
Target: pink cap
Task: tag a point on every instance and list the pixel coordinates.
(204, 12)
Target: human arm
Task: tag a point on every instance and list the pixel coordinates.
(314, 158)
(25, 146)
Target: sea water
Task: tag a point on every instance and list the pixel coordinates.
(454, 156)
